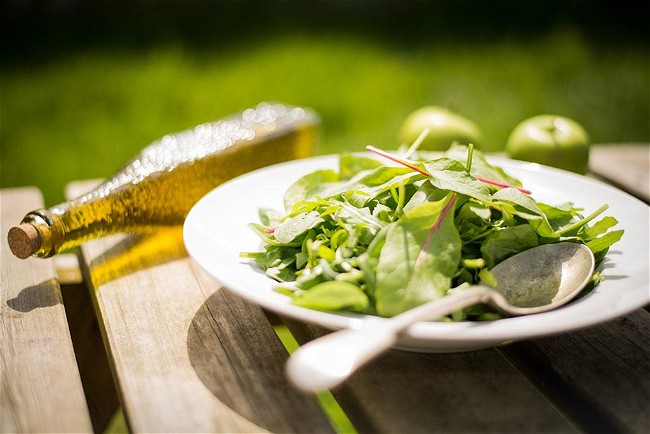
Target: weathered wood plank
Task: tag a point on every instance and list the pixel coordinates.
(41, 389)
(188, 357)
(600, 376)
(463, 392)
(626, 166)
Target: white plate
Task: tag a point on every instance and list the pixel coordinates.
(216, 232)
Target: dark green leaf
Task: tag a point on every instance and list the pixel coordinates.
(600, 227)
(507, 242)
(524, 206)
(603, 243)
(449, 174)
(480, 165)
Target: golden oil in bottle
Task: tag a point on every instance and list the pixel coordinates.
(159, 186)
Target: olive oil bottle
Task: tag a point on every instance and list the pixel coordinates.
(158, 187)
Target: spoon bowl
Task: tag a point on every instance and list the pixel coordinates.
(542, 278)
(534, 281)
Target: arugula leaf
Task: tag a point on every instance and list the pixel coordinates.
(380, 180)
(597, 237)
(559, 217)
(599, 246)
(289, 229)
(524, 206)
(600, 227)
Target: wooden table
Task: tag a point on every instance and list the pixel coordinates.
(135, 323)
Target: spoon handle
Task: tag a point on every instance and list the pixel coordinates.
(328, 361)
(441, 307)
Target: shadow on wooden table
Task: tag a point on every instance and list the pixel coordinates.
(35, 296)
(241, 363)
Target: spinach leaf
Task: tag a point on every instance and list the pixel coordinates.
(350, 165)
(480, 165)
(333, 295)
(451, 175)
(504, 243)
(308, 186)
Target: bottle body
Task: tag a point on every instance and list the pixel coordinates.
(160, 185)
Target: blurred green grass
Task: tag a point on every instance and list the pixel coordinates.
(85, 111)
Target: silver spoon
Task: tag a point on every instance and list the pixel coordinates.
(534, 281)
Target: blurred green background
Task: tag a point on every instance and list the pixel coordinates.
(86, 84)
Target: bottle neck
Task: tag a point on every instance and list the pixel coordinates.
(70, 224)
(50, 230)
(126, 209)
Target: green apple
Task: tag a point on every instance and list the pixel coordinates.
(551, 140)
(444, 125)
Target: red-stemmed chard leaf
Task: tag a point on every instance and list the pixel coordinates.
(405, 163)
(450, 205)
(418, 259)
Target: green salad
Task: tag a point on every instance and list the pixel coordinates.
(388, 232)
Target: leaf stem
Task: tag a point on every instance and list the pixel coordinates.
(470, 154)
(411, 166)
(401, 197)
(501, 184)
(416, 143)
(583, 221)
(391, 157)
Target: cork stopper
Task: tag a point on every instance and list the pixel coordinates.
(24, 240)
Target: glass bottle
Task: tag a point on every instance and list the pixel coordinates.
(158, 187)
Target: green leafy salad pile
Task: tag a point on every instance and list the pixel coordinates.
(381, 238)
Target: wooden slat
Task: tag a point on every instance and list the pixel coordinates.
(93, 364)
(187, 356)
(476, 391)
(87, 341)
(41, 389)
(600, 376)
(626, 166)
